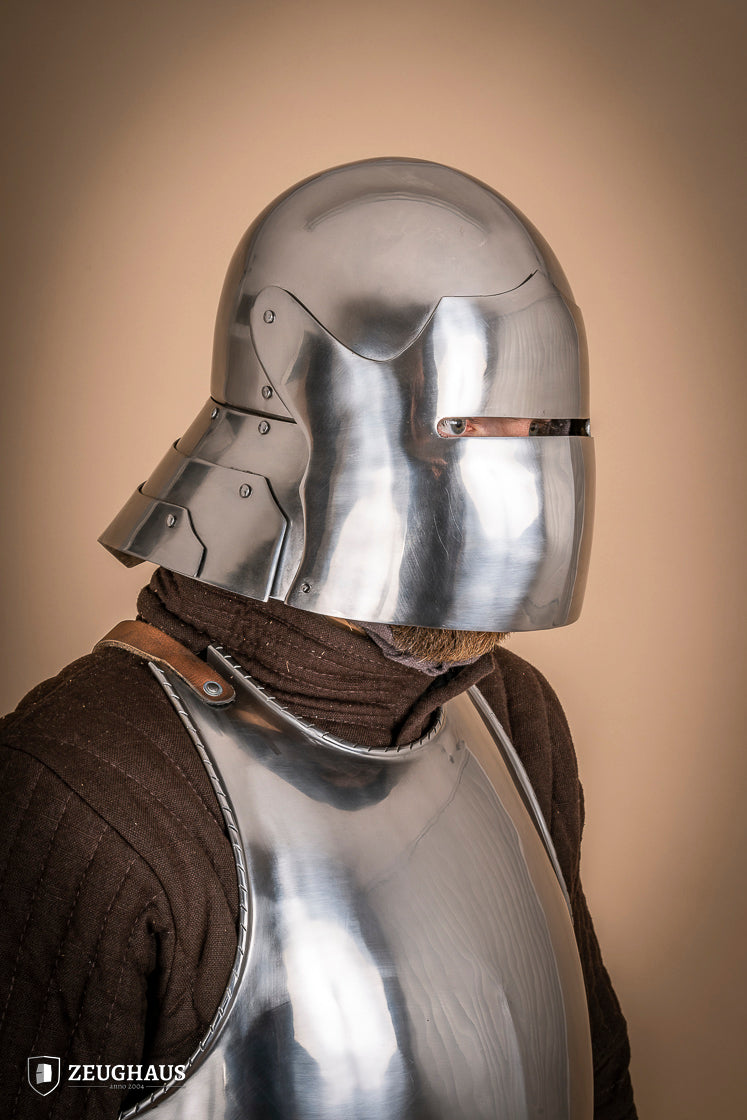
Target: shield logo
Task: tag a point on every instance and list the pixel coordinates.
(43, 1073)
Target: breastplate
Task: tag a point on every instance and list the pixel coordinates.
(405, 946)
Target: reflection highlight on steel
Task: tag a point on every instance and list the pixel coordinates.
(340, 1013)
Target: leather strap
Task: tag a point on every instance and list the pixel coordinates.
(147, 641)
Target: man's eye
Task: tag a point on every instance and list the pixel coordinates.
(452, 426)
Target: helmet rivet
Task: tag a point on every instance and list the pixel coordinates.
(266, 392)
(306, 588)
(245, 490)
(213, 414)
(269, 316)
(263, 427)
(171, 520)
(212, 688)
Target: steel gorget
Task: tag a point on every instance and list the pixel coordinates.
(405, 947)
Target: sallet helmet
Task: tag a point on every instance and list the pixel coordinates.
(373, 317)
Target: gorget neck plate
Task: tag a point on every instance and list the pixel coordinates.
(405, 947)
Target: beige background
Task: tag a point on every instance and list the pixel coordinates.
(141, 139)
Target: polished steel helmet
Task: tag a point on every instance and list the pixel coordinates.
(380, 326)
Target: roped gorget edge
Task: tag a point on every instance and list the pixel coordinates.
(405, 947)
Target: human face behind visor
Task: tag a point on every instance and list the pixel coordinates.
(453, 426)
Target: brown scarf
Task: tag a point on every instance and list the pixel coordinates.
(335, 678)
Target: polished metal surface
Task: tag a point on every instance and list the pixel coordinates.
(404, 526)
(208, 510)
(363, 308)
(406, 952)
(370, 248)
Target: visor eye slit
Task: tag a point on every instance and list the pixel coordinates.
(451, 426)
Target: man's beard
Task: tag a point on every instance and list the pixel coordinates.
(444, 646)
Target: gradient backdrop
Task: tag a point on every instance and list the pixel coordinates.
(141, 137)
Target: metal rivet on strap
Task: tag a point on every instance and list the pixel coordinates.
(212, 688)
